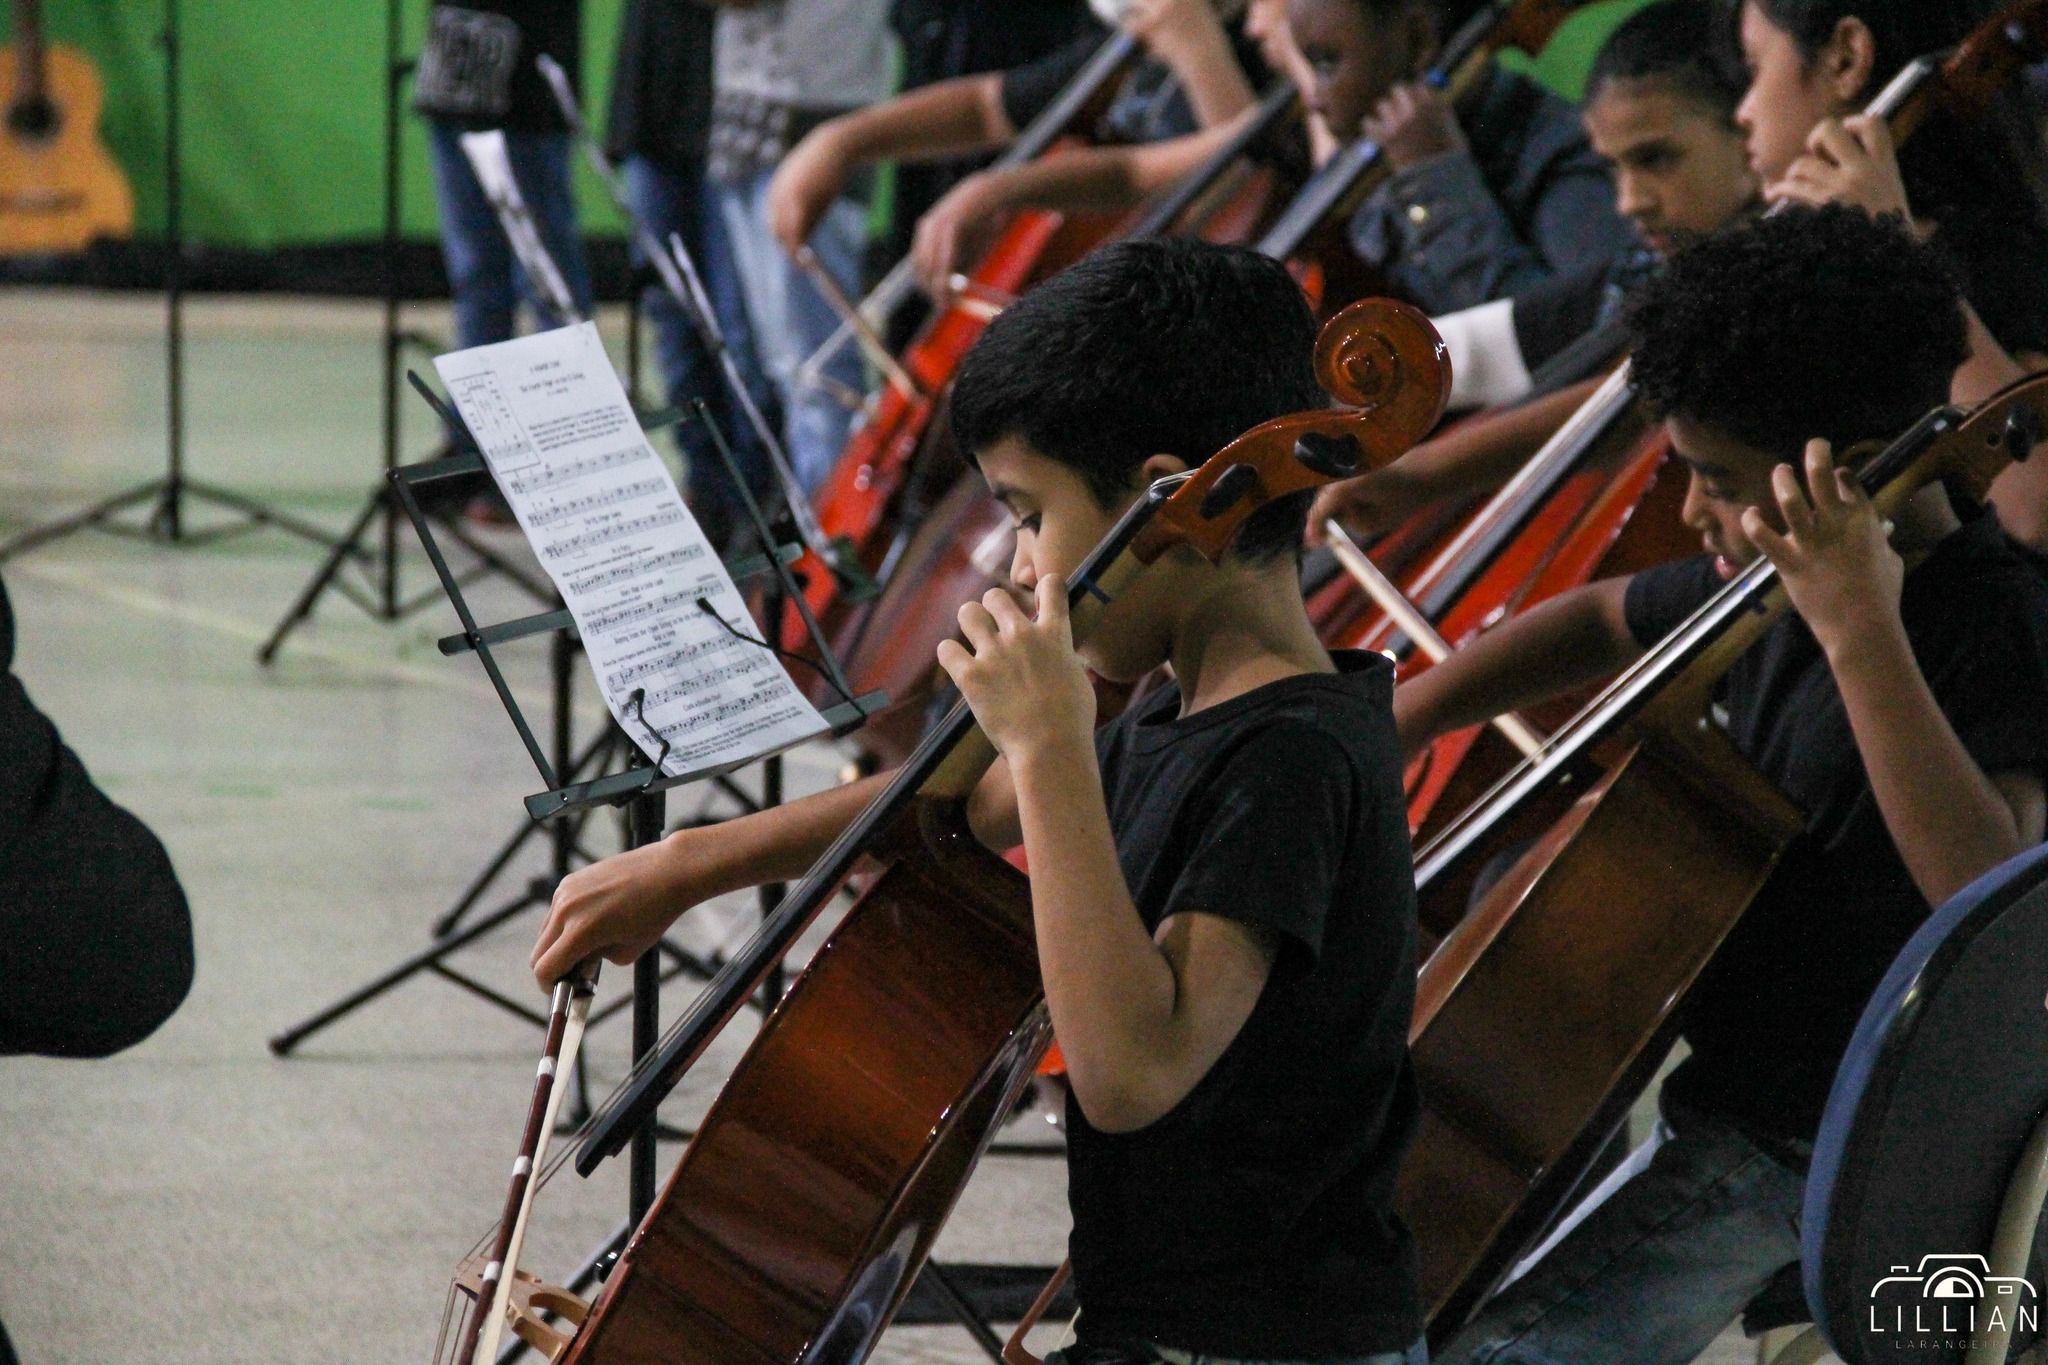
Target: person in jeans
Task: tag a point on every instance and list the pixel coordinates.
(781, 67)
(657, 134)
(477, 72)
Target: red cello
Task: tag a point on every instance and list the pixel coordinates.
(801, 1211)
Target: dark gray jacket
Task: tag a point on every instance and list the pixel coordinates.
(1529, 200)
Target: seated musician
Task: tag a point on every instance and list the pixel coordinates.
(1192, 79)
(1485, 199)
(1973, 187)
(1898, 706)
(1220, 878)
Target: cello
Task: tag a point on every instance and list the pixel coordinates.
(860, 501)
(799, 1214)
(1546, 1009)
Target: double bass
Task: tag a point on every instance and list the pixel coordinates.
(798, 1216)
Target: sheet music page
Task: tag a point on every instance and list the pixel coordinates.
(630, 561)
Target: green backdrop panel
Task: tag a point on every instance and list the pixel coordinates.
(283, 109)
(283, 131)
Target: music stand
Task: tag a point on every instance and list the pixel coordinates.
(167, 495)
(578, 785)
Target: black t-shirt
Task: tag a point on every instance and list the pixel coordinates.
(1030, 88)
(1771, 1016)
(477, 67)
(2002, 265)
(1255, 1219)
(943, 39)
(947, 38)
(661, 88)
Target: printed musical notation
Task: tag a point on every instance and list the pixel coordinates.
(629, 559)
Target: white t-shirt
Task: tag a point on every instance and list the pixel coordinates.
(813, 54)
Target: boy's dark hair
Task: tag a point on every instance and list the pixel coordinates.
(1674, 43)
(1164, 347)
(1812, 322)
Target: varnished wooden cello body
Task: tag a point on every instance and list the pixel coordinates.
(802, 1209)
(1546, 1009)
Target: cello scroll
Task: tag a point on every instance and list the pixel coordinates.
(1391, 371)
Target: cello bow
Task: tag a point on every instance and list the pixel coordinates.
(801, 1211)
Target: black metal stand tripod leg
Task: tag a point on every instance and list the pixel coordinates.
(166, 521)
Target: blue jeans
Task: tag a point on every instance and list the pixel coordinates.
(1656, 1272)
(791, 319)
(667, 201)
(485, 279)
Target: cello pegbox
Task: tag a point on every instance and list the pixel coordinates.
(530, 1297)
(1233, 486)
(2022, 432)
(1333, 457)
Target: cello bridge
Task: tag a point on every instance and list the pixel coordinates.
(530, 1298)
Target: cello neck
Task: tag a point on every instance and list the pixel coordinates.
(900, 283)
(1446, 577)
(1349, 176)
(1054, 120)
(1280, 103)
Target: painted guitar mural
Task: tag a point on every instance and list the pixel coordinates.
(59, 186)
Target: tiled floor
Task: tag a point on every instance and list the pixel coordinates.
(196, 1199)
